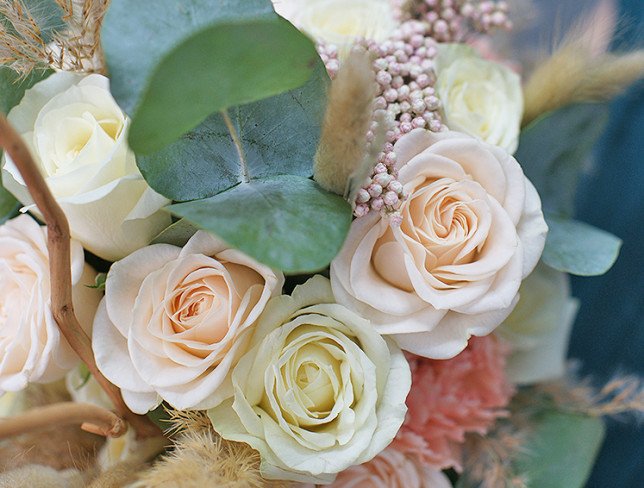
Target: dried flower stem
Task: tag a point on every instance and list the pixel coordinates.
(92, 418)
(58, 244)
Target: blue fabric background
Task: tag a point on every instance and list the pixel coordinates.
(609, 332)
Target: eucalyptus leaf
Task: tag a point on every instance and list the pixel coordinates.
(578, 248)
(554, 148)
(561, 451)
(287, 222)
(277, 135)
(178, 234)
(174, 63)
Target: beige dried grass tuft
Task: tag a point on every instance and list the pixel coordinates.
(76, 47)
(348, 116)
(203, 458)
(580, 69)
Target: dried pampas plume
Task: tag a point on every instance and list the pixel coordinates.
(204, 459)
(348, 116)
(76, 46)
(580, 69)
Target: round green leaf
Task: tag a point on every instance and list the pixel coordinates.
(277, 135)
(561, 450)
(578, 248)
(174, 63)
(287, 222)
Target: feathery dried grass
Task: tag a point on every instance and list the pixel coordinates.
(488, 459)
(187, 420)
(348, 116)
(580, 69)
(76, 47)
(36, 476)
(205, 459)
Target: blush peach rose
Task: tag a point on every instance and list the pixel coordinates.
(32, 348)
(169, 326)
(471, 230)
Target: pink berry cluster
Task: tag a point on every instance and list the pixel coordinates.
(404, 67)
(454, 20)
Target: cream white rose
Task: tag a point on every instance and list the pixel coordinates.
(32, 349)
(479, 97)
(318, 391)
(391, 469)
(340, 22)
(539, 327)
(471, 230)
(169, 326)
(77, 135)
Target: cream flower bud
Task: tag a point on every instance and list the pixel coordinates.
(481, 98)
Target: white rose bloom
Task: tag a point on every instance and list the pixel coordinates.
(539, 327)
(481, 98)
(318, 391)
(77, 135)
(32, 348)
(171, 323)
(340, 22)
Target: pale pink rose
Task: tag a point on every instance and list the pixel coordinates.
(171, 323)
(391, 469)
(32, 348)
(472, 229)
(450, 398)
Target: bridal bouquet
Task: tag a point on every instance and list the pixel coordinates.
(248, 243)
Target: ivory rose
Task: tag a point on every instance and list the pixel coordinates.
(481, 98)
(77, 135)
(539, 327)
(169, 326)
(391, 469)
(340, 22)
(32, 349)
(318, 391)
(471, 230)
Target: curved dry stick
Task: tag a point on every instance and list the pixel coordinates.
(58, 244)
(91, 418)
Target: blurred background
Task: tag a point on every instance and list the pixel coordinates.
(608, 336)
(609, 332)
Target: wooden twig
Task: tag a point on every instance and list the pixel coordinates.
(91, 418)
(58, 244)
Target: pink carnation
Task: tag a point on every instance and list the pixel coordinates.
(451, 398)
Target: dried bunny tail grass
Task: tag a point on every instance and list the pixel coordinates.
(118, 476)
(37, 476)
(204, 459)
(77, 47)
(580, 69)
(187, 420)
(346, 123)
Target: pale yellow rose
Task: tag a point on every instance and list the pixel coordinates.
(479, 97)
(340, 22)
(318, 391)
(169, 326)
(32, 348)
(472, 229)
(77, 135)
(539, 327)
